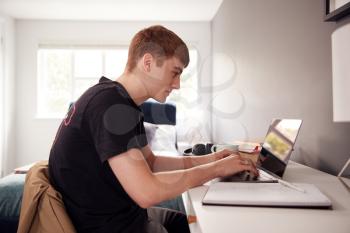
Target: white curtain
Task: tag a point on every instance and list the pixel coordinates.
(2, 102)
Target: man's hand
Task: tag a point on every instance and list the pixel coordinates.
(222, 154)
(233, 164)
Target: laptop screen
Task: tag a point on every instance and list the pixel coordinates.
(278, 145)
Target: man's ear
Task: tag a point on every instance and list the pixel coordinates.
(147, 60)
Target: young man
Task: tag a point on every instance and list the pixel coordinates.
(100, 161)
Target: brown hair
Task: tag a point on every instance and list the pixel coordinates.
(158, 41)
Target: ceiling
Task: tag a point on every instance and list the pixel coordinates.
(111, 10)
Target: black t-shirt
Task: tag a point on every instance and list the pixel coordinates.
(102, 123)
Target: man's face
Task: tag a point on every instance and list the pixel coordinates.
(163, 79)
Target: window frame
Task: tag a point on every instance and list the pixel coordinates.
(40, 114)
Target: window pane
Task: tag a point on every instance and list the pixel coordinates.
(115, 61)
(54, 67)
(189, 116)
(187, 95)
(191, 70)
(87, 63)
(81, 85)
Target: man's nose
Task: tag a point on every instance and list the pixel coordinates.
(176, 83)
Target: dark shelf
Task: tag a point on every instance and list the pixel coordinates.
(336, 14)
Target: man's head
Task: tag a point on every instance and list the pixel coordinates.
(161, 55)
(160, 42)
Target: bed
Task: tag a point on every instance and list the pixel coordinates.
(160, 121)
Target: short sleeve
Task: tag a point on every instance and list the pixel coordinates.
(114, 124)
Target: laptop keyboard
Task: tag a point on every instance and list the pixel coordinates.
(265, 176)
(246, 177)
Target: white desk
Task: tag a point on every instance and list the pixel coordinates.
(228, 219)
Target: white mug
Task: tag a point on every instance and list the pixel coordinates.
(231, 147)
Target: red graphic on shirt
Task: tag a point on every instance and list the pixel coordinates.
(69, 116)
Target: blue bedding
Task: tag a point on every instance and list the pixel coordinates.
(11, 189)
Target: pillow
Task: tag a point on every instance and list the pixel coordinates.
(150, 130)
(161, 137)
(11, 190)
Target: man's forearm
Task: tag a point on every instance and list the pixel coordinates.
(172, 183)
(168, 163)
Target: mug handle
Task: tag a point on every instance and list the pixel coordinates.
(213, 149)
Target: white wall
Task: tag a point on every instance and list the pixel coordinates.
(35, 136)
(8, 149)
(341, 73)
(278, 64)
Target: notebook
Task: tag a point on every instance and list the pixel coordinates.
(275, 153)
(265, 194)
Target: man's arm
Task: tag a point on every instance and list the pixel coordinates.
(147, 188)
(159, 163)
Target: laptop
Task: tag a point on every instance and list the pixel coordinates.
(268, 189)
(275, 153)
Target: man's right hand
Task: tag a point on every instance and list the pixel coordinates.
(233, 164)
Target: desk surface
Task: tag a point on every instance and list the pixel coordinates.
(222, 219)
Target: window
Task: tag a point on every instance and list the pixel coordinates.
(187, 96)
(65, 73)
